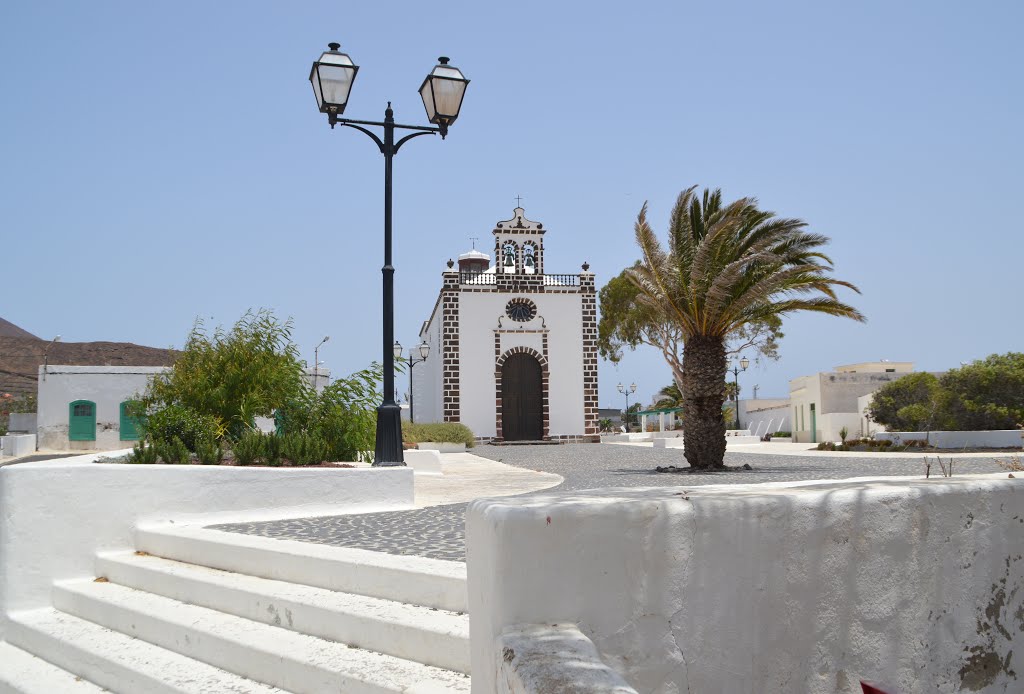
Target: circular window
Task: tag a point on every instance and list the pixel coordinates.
(521, 310)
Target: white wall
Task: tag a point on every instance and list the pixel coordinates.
(107, 386)
(22, 422)
(427, 382)
(765, 415)
(1005, 438)
(764, 588)
(58, 514)
(562, 316)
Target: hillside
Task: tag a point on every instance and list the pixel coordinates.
(8, 329)
(21, 357)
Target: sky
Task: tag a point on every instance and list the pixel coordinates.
(166, 161)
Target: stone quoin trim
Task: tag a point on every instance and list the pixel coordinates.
(500, 361)
(450, 376)
(591, 422)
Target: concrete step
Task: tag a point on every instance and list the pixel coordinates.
(413, 580)
(115, 661)
(422, 634)
(23, 673)
(292, 661)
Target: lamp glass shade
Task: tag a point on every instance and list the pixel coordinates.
(424, 350)
(621, 389)
(442, 92)
(332, 77)
(744, 363)
(397, 349)
(632, 387)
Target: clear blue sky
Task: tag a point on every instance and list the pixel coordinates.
(163, 161)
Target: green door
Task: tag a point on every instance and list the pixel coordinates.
(129, 425)
(814, 425)
(82, 421)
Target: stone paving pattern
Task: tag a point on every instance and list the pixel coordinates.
(438, 531)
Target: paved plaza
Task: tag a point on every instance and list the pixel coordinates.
(437, 531)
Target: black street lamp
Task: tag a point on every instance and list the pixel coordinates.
(626, 391)
(424, 351)
(743, 364)
(442, 92)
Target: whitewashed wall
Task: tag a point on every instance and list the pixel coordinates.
(1004, 438)
(107, 386)
(427, 383)
(562, 315)
(764, 588)
(58, 514)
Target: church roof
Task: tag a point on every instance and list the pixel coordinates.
(519, 223)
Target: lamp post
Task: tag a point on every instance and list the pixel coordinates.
(626, 391)
(442, 91)
(46, 356)
(736, 369)
(316, 361)
(424, 351)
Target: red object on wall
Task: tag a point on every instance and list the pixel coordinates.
(872, 689)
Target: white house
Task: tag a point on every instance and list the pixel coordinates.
(83, 407)
(513, 348)
(826, 402)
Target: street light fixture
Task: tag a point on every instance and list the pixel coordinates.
(743, 364)
(46, 356)
(424, 351)
(442, 92)
(626, 391)
(316, 361)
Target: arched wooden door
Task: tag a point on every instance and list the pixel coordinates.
(522, 399)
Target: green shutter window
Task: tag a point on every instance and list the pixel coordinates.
(129, 424)
(82, 421)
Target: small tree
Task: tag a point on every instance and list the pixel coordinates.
(986, 394)
(232, 376)
(909, 403)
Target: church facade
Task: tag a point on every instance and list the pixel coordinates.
(513, 349)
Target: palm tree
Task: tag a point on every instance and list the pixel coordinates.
(669, 397)
(727, 266)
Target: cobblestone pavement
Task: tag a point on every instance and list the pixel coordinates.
(438, 531)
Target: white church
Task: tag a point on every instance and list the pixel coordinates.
(513, 349)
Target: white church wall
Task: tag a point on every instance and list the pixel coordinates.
(426, 377)
(478, 317)
(562, 314)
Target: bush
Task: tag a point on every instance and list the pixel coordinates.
(209, 451)
(178, 422)
(142, 454)
(271, 450)
(343, 415)
(173, 452)
(782, 434)
(248, 448)
(438, 432)
(304, 448)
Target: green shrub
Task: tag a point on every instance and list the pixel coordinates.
(304, 448)
(209, 451)
(272, 450)
(826, 446)
(178, 422)
(438, 432)
(782, 434)
(173, 452)
(248, 448)
(142, 454)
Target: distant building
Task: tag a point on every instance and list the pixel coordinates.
(822, 404)
(765, 415)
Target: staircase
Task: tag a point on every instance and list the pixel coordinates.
(196, 610)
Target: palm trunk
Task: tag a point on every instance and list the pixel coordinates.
(703, 396)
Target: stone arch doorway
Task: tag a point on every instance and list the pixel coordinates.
(522, 398)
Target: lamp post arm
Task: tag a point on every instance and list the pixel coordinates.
(380, 143)
(405, 139)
